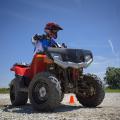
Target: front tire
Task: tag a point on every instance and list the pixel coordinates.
(91, 92)
(62, 96)
(44, 92)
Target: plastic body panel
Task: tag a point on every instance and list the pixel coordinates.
(37, 65)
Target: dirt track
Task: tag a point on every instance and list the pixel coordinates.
(108, 110)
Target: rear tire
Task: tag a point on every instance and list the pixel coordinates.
(44, 92)
(17, 97)
(95, 91)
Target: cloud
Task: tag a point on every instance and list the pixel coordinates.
(20, 16)
(100, 64)
(112, 47)
(114, 53)
(100, 61)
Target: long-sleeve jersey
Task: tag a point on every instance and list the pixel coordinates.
(42, 43)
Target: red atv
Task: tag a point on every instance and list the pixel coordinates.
(51, 75)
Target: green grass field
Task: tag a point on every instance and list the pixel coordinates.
(4, 90)
(108, 90)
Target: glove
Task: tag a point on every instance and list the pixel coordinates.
(36, 37)
(64, 45)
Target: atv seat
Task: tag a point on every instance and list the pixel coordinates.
(23, 64)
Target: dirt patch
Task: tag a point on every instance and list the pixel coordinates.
(108, 110)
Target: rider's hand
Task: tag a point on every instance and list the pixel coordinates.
(64, 45)
(36, 37)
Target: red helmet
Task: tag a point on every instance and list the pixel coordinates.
(52, 26)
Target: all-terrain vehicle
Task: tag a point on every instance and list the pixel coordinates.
(52, 74)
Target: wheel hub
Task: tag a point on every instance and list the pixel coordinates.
(42, 92)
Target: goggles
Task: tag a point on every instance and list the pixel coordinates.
(54, 31)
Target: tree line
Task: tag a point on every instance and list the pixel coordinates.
(112, 77)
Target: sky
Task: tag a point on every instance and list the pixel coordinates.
(88, 24)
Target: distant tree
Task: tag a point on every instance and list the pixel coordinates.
(112, 77)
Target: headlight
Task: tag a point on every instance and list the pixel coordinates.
(56, 56)
(87, 58)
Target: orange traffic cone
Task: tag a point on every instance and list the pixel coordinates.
(72, 101)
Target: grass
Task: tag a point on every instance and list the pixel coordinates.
(108, 90)
(4, 90)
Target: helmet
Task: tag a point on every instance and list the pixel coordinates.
(52, 26)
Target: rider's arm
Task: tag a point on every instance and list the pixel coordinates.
(36, 38)
(36, 41)
(53, 43)
(38, 47)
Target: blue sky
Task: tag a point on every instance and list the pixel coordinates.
(88, 24)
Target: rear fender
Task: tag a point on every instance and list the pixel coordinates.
(21, 70)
